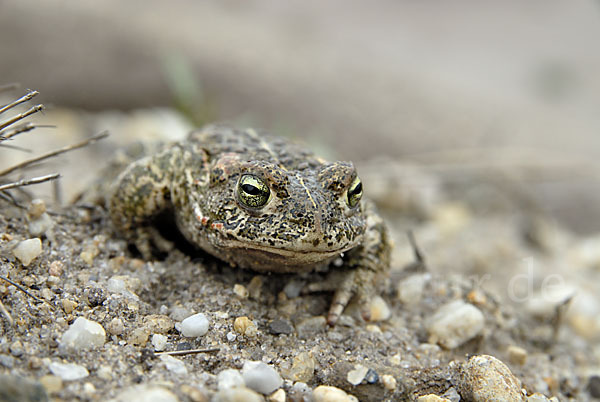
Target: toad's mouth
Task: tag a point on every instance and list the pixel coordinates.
(268, 258)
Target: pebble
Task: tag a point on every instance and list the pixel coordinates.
(410, 290)
(325, 393)
(454, 324)
(432, 398)
(7, 361)
(241, 394)
(36, 208)
(538, 398)
(145, 393)
(230, 378)
(40, 226)
(278, 327)
(389, 382)
(56, 268)
(158, 323)
(379, 310)
(27, 250)
(485, 378)
(303, 368)
(174, 365)
(243, 325)
(51, 383)
(193, 326)
(517, 355)
(372, 377)
(357, 375)
(293, 288)
(240, 291)
(68, 371)
(14, 389)
(159, 342)
(594, 386)
(138, 337)
(68, 305)
(277, 396)
(115, 326)
(261, 377)
(83, 334)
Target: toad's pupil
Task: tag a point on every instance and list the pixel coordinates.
(250, 189)
(357, 189)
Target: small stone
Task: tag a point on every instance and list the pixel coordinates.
(389, 382)
(115, 326)
(89, 253)
(537, 398)
(303, 368)
(379, 310)
(193, 326)
(255, 287)
(231, 336)
(311, 326)
(277, 396)
(159, 342)
(174, 365)
(373, 329)
(240, 291)
(324, 393)
(27, 250)
(94, 296)
(16, 348)
(372, 377)
(36, 208)
(51, 383)
(194, 394)
(56, 268)
(517, 355)
(68, 305)
(83, 334)
(410, 290)
(241, 394)
(293, 288)
(229, 378)
(278, 327)
(138, 337)
(594, 386)
(68, 371)
(261, 377)
(485, 378)
(357, 375)
(241, 325)
(432, 398)
(47, 294)
(89, 388)
(40, 226)
(158, 323)
(144, 393)
(454, 324)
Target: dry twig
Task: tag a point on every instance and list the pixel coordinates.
(27, 182)
(188, 352)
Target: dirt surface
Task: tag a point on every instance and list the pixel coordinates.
(482, 290)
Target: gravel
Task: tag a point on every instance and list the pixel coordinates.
(261, 377)
(83, 334)
(193, 326)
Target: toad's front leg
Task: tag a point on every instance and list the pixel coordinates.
(361, 268)
(139, 194)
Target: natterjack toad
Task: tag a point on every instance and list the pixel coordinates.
(258, 202)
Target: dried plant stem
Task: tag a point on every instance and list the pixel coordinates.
(188, 352)
(22, 289)
(20, 116)
(27, 182)
(25, 98)
(48, 155)
(23, 128)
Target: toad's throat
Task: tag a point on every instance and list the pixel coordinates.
(273, 259)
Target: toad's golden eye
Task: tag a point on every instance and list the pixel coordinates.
(355, 192)
(252, 191)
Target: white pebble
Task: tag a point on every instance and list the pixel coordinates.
(325, 393)
(144, 393)
(261, 377)
(229, 378)
(379, 309)
(68, 371)
(356, 376)
(454, 324)
(83, 334)
(159, 342)
(410, 290)
(237, 395)
(27, 250)
(174, 365)
(41, 225)
(193, 326)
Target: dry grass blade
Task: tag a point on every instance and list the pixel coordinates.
(188, 352)
(27, 182)
(51, 154)
(21, 116)
(22, 289)
(22, 128)
(25, 98)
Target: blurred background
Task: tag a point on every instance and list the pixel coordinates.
(464, 88)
